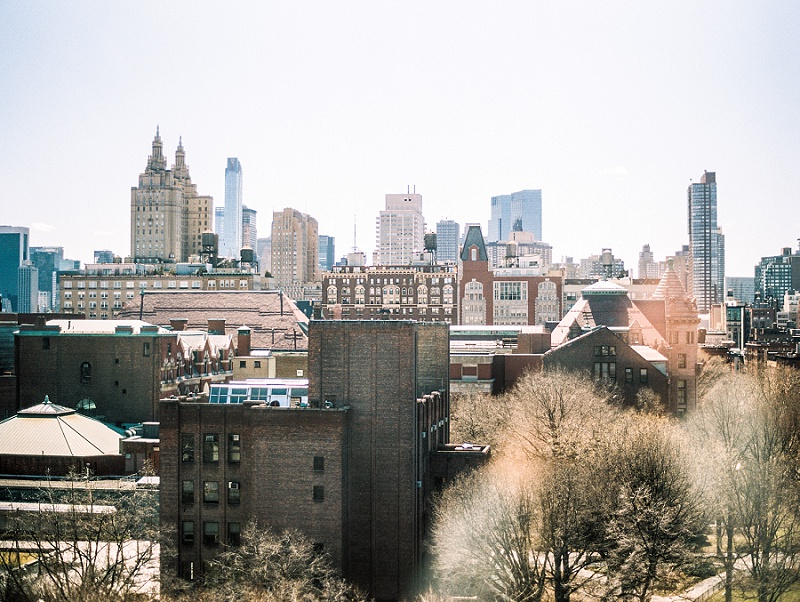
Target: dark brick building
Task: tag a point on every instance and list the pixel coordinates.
(353, 470)
(116, 370)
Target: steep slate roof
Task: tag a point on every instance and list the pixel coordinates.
(259, 310)
(48, 429)
(605, 304)
(474, 237)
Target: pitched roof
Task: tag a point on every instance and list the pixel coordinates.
(670, 286)
(605, 304)
(274, 320)
(48, 429)
(474, 237)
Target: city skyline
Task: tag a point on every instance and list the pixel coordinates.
(333, 107)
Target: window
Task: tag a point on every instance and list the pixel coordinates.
(628, 375)
(187, 532)
(211, 533)
(187, 570)
(243, 363)
(689, 338)
(319, 463)
(211, 447)
(256, 363)
(643, 375)
(234, 534)
(319, 493)
(187, 492)
(605, 370)
(681, 397)
(234, 492)
(146, 349)
(86, 373)
(681, 360)
(234, 448)
(187, 447)
(211, 492)
(45, 342)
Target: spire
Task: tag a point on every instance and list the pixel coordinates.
(180, 155)
(156, 160)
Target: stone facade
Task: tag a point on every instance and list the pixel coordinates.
(409, 292)
(168, 217)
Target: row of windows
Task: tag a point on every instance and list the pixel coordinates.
(211, 448)
(211, 492)
(211, 533)
(608, 371)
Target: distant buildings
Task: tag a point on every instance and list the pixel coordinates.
(249, 229)
(602, 266)
(400, 229)
(448, 234)
(740, 288)
(231, 240)
(327, 252)
(777, 274)
(406, 292)
(14, 253)
(295, 248)
(706, 244)
(516, 212)
(101, 290)
(522, 295)
(168, 217)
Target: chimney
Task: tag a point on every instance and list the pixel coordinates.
(243, 343)
(178, 324)
(216, 326)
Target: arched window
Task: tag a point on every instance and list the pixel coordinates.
(86, 407)
(86, 373)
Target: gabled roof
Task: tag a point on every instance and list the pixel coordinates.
(48, 429)
(605, 304)
(474, 238)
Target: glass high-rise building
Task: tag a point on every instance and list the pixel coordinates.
(447, 237)
(231, 241)
(14, 253)
(706, 244)
(516, 212)
(327, 252)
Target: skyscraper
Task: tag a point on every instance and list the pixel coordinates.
(327, 252)
(249, 229)
(168, 217)
(231, 241)
(400, 230)
(516, 212)
(706, 244)
(14, 253)
(48, 262)
(295, 248)
(447, 236)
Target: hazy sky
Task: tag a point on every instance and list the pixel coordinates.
(611, 108)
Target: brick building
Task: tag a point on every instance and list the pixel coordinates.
(515, 295)
(116, 370)
(352, 470)
(426, 293)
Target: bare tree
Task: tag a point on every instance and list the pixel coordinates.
(484, 539)
(479, 418)
(560, 422)
(658, 515)
(747, 424)
(74, 545)
(271, 567)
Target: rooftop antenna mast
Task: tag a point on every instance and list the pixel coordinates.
(355, 246)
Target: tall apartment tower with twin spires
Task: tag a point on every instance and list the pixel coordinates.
(706, 244)
(168, 217)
